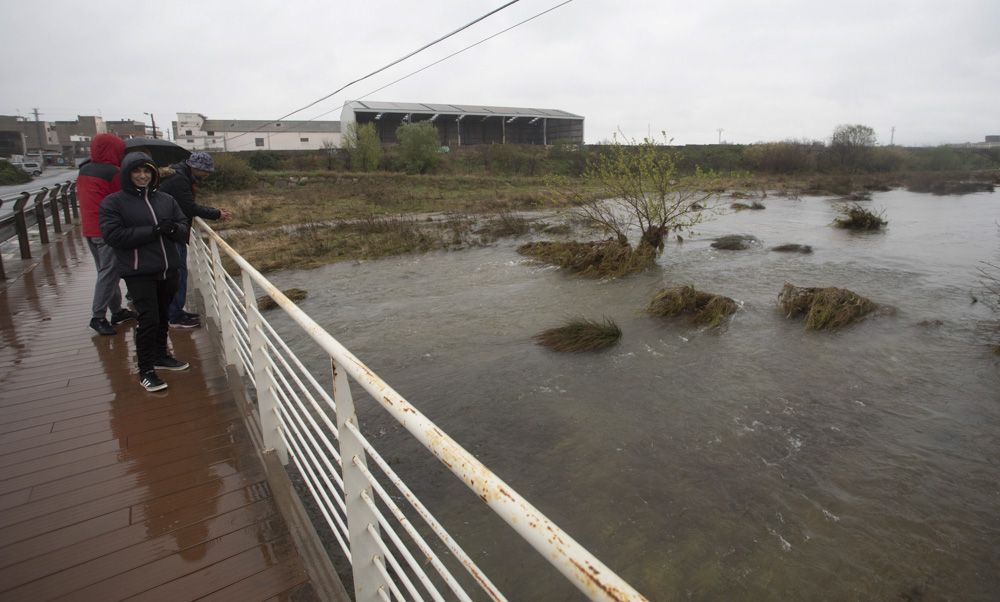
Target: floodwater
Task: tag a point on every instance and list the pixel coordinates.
(759, 462)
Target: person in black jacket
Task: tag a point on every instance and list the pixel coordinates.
(183, 186)
(143, 226)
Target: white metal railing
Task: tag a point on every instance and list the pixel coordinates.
(316, 429)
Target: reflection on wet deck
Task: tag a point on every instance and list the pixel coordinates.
(108, 492)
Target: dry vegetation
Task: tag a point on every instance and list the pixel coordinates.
(824, 308)
(703, 308)
(598, 259)
(580, 334)
(265, 302)
(856, 217)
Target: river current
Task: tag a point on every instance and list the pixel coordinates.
(760, 461)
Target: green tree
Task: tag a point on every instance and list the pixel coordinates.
(363, 146)
(418, 146)
(852, 144)
(641, 189)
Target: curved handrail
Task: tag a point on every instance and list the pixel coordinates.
(577, 564)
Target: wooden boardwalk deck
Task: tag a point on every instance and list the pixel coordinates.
(108, 492)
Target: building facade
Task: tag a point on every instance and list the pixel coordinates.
(196, 132)
(462, 125)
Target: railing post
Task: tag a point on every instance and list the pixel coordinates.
(267, 400)
(64, 201)
(225, 317)
(367, 578)
(54, 207)
(21, 225)
(43, 229)
(72, 201)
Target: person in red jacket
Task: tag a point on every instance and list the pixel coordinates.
(97, 179)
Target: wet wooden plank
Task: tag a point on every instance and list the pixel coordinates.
(106, 489)
(268, 584)
(76, 567)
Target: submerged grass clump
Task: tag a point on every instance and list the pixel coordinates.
(856, 217)
(580, 334)
(265, 302)
(600, 259)
(703, 308)
(824, 308)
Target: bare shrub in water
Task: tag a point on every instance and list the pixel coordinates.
(265, 302)
(599, 259)
(580, 334)
(824, 308)
(640, 188)
(856, 217)
(703, 308)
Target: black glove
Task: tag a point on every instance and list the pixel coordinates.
(165, 228)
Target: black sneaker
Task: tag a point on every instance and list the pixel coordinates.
(150, 381)
(123, 315)
(188, 314)
(101, 326)
(185, 322)
(170, 363)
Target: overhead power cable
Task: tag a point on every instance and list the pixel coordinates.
(381, 69)
(441, 60)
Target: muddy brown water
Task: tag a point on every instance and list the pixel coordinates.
(759, 462)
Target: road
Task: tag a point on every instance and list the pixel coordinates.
(51, 177)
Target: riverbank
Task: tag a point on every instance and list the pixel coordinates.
(308, 219)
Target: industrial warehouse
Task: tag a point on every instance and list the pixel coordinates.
(462, 125)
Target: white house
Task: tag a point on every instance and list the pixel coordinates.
(195, 132)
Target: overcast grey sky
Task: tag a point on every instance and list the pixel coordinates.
(758, 70)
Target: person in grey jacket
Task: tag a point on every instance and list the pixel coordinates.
(143, 226)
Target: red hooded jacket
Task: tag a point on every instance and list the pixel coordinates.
(97, 179)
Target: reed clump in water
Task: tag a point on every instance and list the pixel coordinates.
(856, 217)
(824, 308)
(703, 308)
(756, 205)
(580, 334)
(599, 259)
(793, 248)
(735, 242)
(265, 302)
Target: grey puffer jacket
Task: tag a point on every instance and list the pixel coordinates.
(128, 220)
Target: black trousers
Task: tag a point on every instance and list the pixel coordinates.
(151, 298)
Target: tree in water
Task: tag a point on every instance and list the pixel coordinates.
(641, 188)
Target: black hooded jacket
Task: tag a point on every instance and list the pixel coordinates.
(181, 186)
(128, 219)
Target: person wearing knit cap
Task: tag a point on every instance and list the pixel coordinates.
(183, 186)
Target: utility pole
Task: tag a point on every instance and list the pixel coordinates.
(892, 136)
(152, 119)
(41, 139)
(720, 130)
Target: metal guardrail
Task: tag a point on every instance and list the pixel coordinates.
(45, 211)
(315, 427)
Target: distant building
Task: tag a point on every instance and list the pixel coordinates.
(461, 125)
(33, 132)
(12, 142)
(63, 141)
(993, 140)
(196, 132)
(126, 128)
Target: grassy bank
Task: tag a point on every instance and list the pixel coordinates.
(379, 214)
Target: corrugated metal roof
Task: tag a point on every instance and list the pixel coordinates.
(251, 125)
(454, 109)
